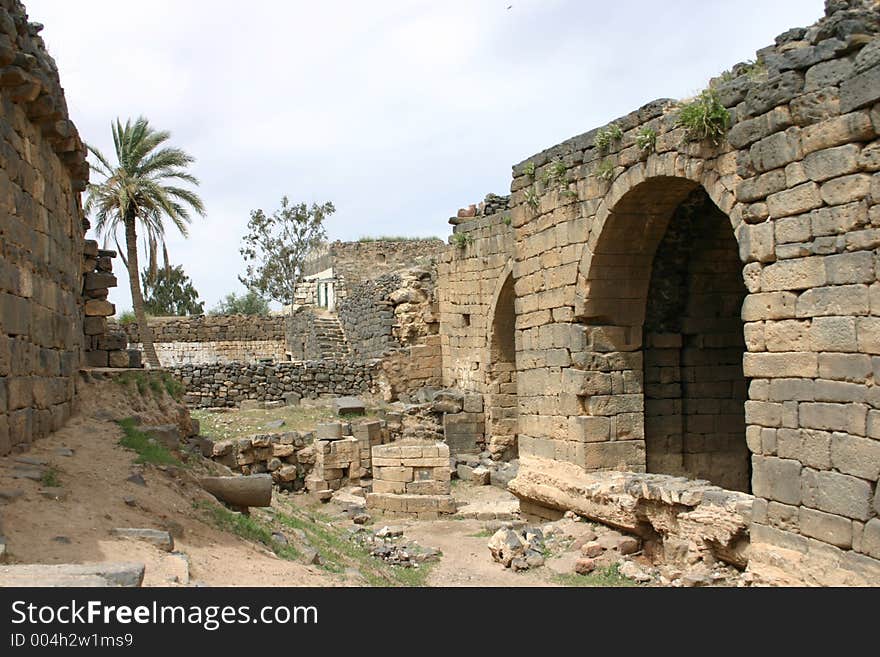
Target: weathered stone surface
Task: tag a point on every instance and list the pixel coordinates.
(91, 575)
(156, 537)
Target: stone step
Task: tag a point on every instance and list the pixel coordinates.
(94, 574)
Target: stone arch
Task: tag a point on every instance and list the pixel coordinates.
(500, 399)
(677, 389)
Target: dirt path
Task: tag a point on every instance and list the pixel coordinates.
(466, 560)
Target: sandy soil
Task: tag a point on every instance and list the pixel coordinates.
(96, 497)
(77, 528)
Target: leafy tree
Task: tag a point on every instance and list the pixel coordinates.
(139, 191)
(169, 291)
(246, 304)
(276, 246)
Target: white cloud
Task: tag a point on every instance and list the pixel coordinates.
(399, 111)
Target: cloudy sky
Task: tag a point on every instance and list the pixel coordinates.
(398, 111)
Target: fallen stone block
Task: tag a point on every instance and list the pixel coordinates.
(53, 575)
(292, 398)
(250, 490)
(160, 539)
(481, 476)
(347, 406)
(329, 431)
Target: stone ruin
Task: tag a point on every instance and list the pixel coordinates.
(675, 337)
(412, 478)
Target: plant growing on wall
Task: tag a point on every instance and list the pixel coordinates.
(605, 170)
(704, 118)
(139, 192)
(462, 240)
(531, 198)
(529, 169)
(646, 139)
(169, 291)
(607, 136)
(276, 246)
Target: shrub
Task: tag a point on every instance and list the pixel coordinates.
(646, 139)
(705, 118)
(606, 136)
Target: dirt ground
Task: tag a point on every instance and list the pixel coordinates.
(87, 472)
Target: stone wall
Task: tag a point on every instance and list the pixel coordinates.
(211, 328)
(42, 171)
(104, 344)
(313, 335)
(356, 262)
(395, 317)
(477, 317)
(796, 176)
(367, 316)
(229, 384)
(207, 339)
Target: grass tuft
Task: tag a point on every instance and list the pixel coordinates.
(148, 451)
(247, 527)
(608, 576)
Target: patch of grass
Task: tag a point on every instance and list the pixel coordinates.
(147, 451)
(247, 527)
(608, 576)
(704, 118)
(506, 220)
(646, 139)
(529, 169)
(339, 552)
(50, 478)
(153, 381)
(483, 533)
(238, 423)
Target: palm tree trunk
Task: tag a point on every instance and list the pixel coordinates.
(137, 298)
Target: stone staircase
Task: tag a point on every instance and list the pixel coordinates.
(329, 337)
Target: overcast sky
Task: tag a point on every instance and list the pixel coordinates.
(399, 112)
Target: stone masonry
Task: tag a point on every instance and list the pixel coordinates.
(42, 171)
(767, 382)
(207, 339)
(231, 383)
(104, 344)
(412, 477)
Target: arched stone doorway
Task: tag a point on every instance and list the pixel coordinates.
(661, 383)
(695, 392)
(500, 399)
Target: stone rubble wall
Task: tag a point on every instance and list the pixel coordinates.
(395, 317)
(289, 457)
(105, 345)
(228, 384)
(42, 171)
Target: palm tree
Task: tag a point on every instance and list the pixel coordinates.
(136, 193)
